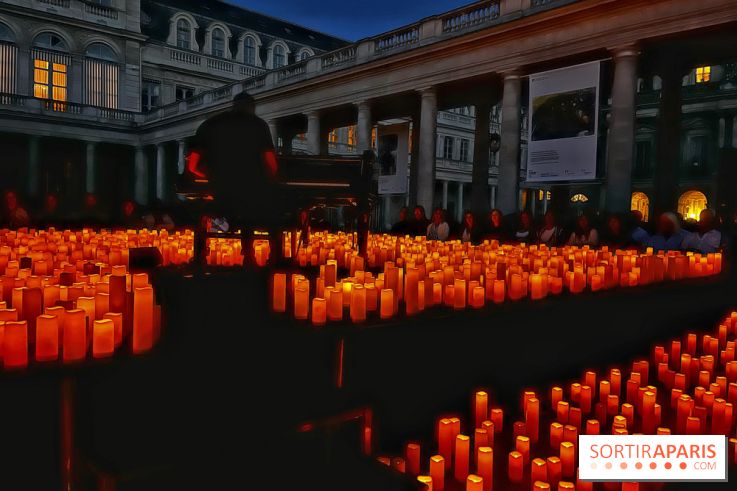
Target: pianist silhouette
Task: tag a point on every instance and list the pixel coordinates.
(234, 150)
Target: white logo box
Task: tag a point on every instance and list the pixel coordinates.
(659, 458)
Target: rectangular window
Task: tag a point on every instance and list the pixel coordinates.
(642, 159)
(464, 149)
(150, 95)
(8, 68)
(448, 147)
(50, 82)
(703, 74)
(101, 79)
(183, 93)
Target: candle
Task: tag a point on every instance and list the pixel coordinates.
(499, 291)
(445, 439)
(539, 470)
(334, 299)
(319, 311)
(536, 290)
(279, 293)
(482, 408)
(437, 472)
(463, 446)
(411, 291)
(474, 483)
(515, 467)
(358, 304)
(387, 303)
(486, 467)
(74, 336)
(15, 344)
(412, 458)
(117, 320)
(567, 459)
(103, 338)
(426, 481)
(497, 417)
(459, 295)
(478, 297)
(47, 338)
(143, 319)
(522, 445)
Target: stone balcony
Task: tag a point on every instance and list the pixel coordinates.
(85, 10)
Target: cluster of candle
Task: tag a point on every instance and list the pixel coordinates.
(686, 387)
(411, 275)
(60, 302)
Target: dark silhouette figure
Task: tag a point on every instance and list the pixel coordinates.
(419, 223)
(14, 216)
(403, 226)
(495, 227)
(235, 151)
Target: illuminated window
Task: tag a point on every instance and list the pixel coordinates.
(351, 135)
(50, 82)
(703, 74)
(691, 204)
(373, 139)
(333, 137)
(640, 202)
(579, 198)
(280, 57)
(101, 76)
(250, 58)
(218, 43)
(184, 34)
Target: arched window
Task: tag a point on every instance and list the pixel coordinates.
(184, 34)
(8, 60)
(218, 42)
(691, 204)
(51, 70)
(250, 54)
(280, 56)
(304, 54)
(641, 203)
(101, 76)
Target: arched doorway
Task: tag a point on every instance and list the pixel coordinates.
(691, 203)
(641, 203)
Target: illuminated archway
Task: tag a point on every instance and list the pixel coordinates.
(691, 203)
(641, 203)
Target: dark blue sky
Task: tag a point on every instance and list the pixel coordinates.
(351, 19)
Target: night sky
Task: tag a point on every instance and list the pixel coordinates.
(350, 19)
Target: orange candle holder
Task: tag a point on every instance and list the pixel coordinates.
(103, 338)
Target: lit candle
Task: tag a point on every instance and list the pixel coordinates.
(486, 466)
(319, 311)
(522, 445)
(459, 295)
(497, 417)
(74, 336)
(117, 320)
(412, 458)
(482, 408)
(143, 319)
(532, 419)
(499, 291)
(567, 459)
(536, 291)
(358, 304)
(445, 439)
(334, 298)
(15, 345)
(515, 467)
(437, 472)
(539, 470)
(463, 447)
(279, 293)
(387, 303)
(425, 481)
(103, 338)
(474, 483)
(478, 297)
(47, 338)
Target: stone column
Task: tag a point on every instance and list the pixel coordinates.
(160, 171)
(364, 125)
(622, 130)
(445, 195)
(426, 151)
(140, 172)
(274, 130)
(314, 133)
(414, 159)
(668, 152)
(508, 193)
(480, 173)
(34, 145)
(459, 208)
(181, 156)
(90, 167)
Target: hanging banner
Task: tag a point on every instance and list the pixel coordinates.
(563, 125)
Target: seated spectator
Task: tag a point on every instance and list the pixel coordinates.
(584, 234)
(550, 232)
(418, 225)
(438, 228)
(403, 226)
(318, 222)
(14, 215)
(495, 227)
(470, 232)
(524, 232)
(128, 216)
(669, 234)
(50, 215)
(614, 235)
(707, 238)
(157, 218)
(639, 234)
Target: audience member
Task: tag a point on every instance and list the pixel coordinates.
(438, 228)
(550, 233)
(403, 226)
(524, 232)
(639, 234)
(584, 234)
(669, 234)
(495, 227)
(128, 216)
(14, 215)
(707, 238)
(418, 225)
(158, 218)
(614, 235)
(50, 215)
(470, 231)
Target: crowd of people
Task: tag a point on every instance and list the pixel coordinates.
(668, 232)
(52, 212)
